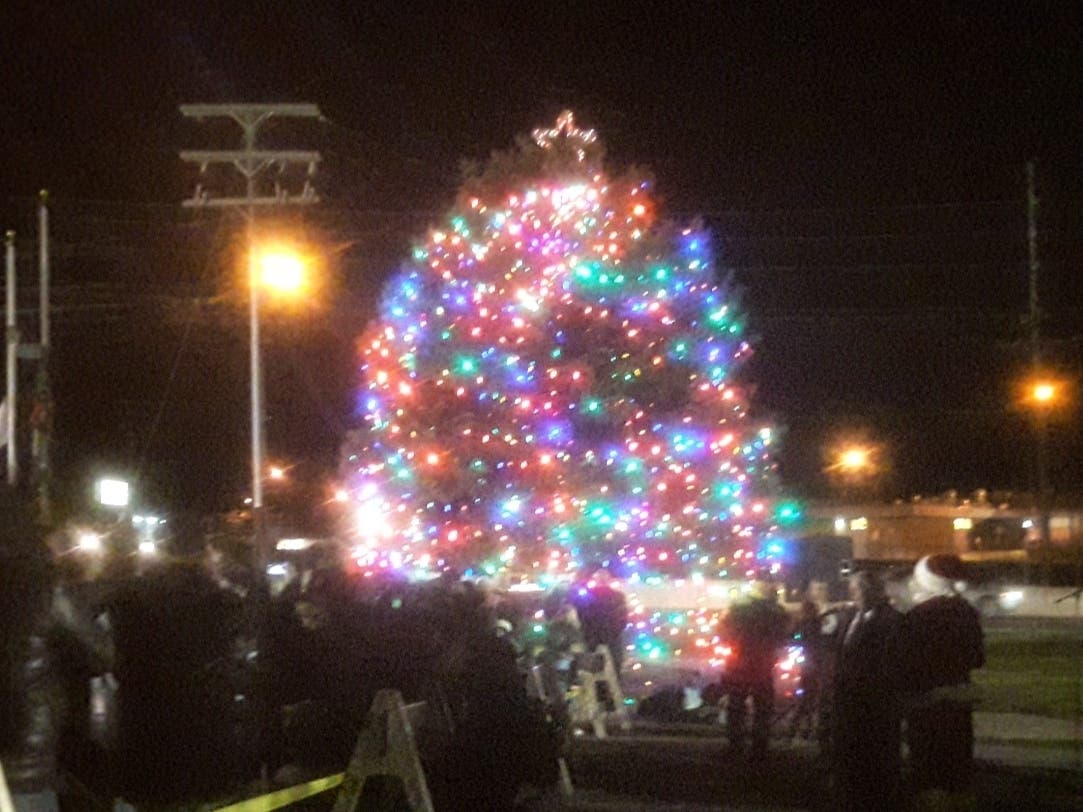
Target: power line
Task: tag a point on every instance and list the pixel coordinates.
(168, 388)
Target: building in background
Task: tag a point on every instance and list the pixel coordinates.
(974, 528)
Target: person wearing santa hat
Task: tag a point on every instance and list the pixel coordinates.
(939, 644)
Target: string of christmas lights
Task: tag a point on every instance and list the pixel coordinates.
(550, 386)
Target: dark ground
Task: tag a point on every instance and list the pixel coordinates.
(621, 772)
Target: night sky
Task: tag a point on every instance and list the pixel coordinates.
(862, 172)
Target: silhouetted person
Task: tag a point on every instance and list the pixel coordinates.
(562, 645)
(940, 643)
(31, 702)
(809, 635)
(53, 647)
(81, 640)
(756, 628)
(603, 615)
(178, 737)
(867, 728)
(500, 740)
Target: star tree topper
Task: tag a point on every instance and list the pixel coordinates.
(565, 131)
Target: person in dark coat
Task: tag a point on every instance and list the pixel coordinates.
(756, 629)
(867, 725)
(31, 697)
(940, 643)
(809, 635)
(81, 642)
(603, 615)
(52, 647)
(177, 735)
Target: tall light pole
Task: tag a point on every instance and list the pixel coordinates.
(1041, 394)
(255, 380)
(253, 163)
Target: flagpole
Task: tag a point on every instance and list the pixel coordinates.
(12, 347)
(43, 396)
(43, 264)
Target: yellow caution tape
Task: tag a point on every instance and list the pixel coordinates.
(285, 797)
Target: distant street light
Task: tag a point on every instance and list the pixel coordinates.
(1043, 393)
(89, 542)
(853, 466)
(855, 459)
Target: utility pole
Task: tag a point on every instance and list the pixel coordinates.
(1034, 318)
(1034, 322)
(253, 163)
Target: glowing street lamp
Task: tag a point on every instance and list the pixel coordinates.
(89, 542)
(853, 465)
(855, 459)
(282, 272)
(1043, 393)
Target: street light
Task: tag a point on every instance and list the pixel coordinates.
(1044, 393)
(855, 459)
(282, 272)
(853, 466)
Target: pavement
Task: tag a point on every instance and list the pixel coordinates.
(1026, 741)
(1023, 762)
(1026, 727)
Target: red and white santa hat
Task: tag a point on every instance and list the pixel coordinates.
(940, 574)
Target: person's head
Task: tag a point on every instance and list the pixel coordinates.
(867, 589)
(556, 601)
(764, 590)
(596, 577)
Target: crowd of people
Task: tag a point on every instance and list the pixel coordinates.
(875, 678)
(187, 680)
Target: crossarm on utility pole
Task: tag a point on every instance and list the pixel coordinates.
(249, 110)
(239, 157)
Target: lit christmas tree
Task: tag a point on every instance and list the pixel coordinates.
(551, 385)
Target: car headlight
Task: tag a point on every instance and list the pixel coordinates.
(1011, 598)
